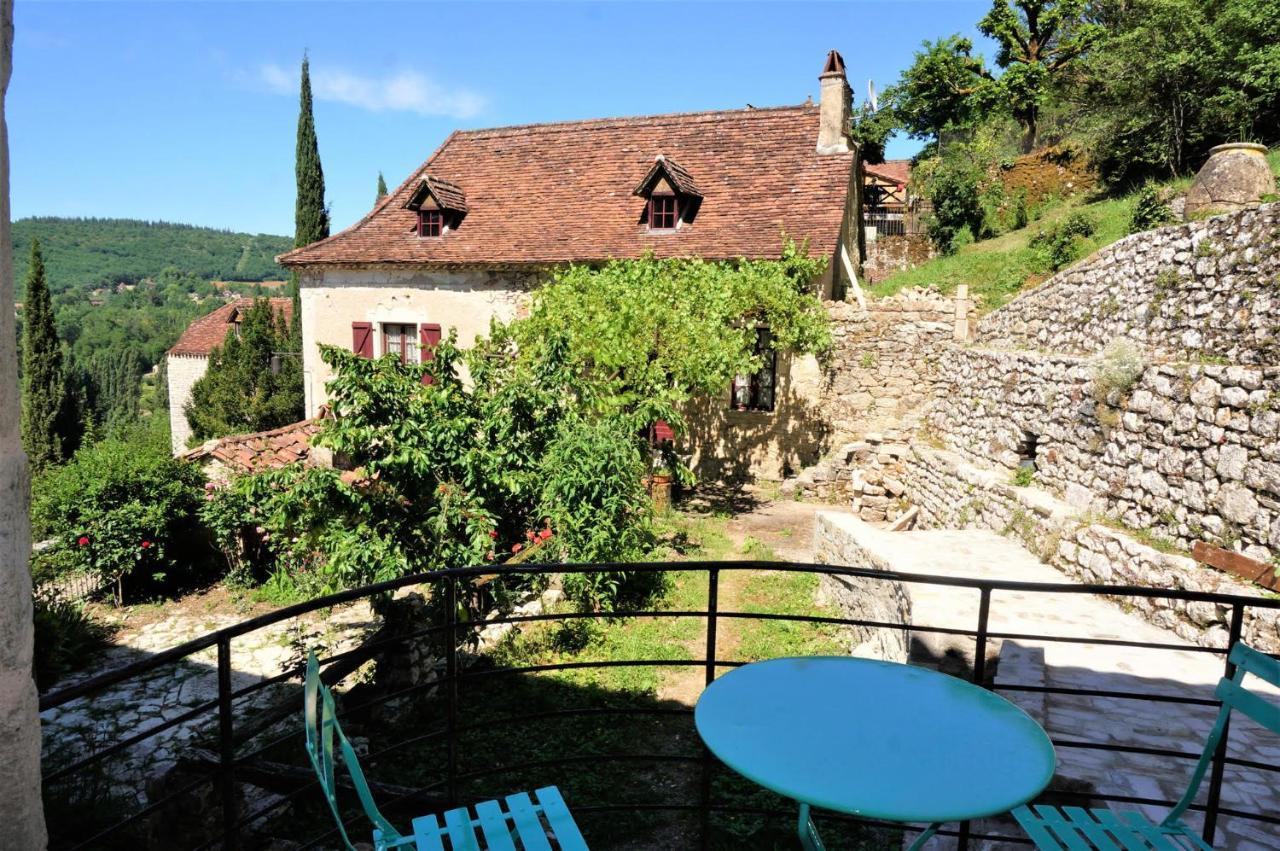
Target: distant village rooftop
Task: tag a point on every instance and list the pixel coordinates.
(207, 333)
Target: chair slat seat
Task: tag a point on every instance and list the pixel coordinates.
(1077, 829)
(523, 819)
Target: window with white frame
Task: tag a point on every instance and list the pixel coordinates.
(400, 340)
(755, 392)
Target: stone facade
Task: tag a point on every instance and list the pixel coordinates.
(837, 538)
(462, 301)
(183, 372)
(1203, 290)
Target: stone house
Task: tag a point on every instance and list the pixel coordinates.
(188, 360)
(470, 233)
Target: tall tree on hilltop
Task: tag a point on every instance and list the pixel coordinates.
(43, 386)
(1038, 40)
(310, 217)
(382, 188)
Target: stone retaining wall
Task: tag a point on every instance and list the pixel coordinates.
(948, 492)
(1203, 289)
(836, 541)
(884, 358)
(1188, 453)
(889, 254)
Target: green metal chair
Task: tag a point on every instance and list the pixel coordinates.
(527, 824)
(1078, 829)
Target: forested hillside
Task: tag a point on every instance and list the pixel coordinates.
(91, 253)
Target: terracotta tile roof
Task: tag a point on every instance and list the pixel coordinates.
(449, 196)
(264, 450)
(680, 179)
(553, 193)
(898, 171)
(207, 333)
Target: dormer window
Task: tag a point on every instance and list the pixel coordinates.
(672, 198)
(663, 212)
(430, 223)
(440, 206)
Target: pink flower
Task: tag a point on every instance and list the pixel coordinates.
(544, 534)
(517, 548)
(84, 541)
(489, 556)
(529, 535)
(208, 486)
(260, 530)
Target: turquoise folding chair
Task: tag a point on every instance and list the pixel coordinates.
(1078, 829)
(525, 825)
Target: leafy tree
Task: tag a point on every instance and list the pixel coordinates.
(43, 383)
(240, 392)
(449, 474)
(310, 217)
(382, 188)
(121, 507)
(1037, 40)
(1172, 78)
(944, 88)
(872, 129)
(648, 335)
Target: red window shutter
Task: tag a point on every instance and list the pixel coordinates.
(662, 431)
(362, 339)
(430, 339)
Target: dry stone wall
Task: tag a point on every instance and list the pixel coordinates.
(859, 597)
(948, 492)
(1189, 453)
(884, 358)
(1203, 290)
(889, 254)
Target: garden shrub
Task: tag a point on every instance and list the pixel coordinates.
(65, 636)
(1059, 245)
(1149, 210)
(1117, 369)
(123, 508)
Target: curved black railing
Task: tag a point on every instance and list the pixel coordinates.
(233, 759)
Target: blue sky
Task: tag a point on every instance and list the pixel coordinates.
(187, 111)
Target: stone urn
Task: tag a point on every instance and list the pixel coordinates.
(1235, 176)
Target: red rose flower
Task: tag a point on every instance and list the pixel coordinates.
(146, 544)
(544, 534)
(517, 548)
(528, 535)
(493, 534)
(84, 541)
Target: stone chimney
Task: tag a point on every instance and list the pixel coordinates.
(836, 104)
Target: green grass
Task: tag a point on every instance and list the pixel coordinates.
(998, 269)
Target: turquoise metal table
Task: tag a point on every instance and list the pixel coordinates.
(874, 739)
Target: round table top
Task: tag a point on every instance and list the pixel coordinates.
(875, 739)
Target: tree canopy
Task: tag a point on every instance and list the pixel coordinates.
(43, 383)
(240, 392)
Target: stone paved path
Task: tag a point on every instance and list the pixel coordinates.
(89, 724)
(978, 553)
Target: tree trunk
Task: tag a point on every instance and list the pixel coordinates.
(21, 810)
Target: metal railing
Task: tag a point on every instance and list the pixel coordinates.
(235, 746)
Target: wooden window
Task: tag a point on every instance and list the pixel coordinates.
(430, 223)
(755, 392)
(401, 341)
(663, 211)
(430, 339)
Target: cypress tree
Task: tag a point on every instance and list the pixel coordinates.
(310, 218)
(43, 386)
(382, 189)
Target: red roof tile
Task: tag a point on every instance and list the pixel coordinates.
(554, 193)
(897, 171)
(264, 450)
(207, 333)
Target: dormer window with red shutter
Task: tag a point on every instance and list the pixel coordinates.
(671, 196)
(440, 207)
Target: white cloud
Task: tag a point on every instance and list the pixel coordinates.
(403, 91)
